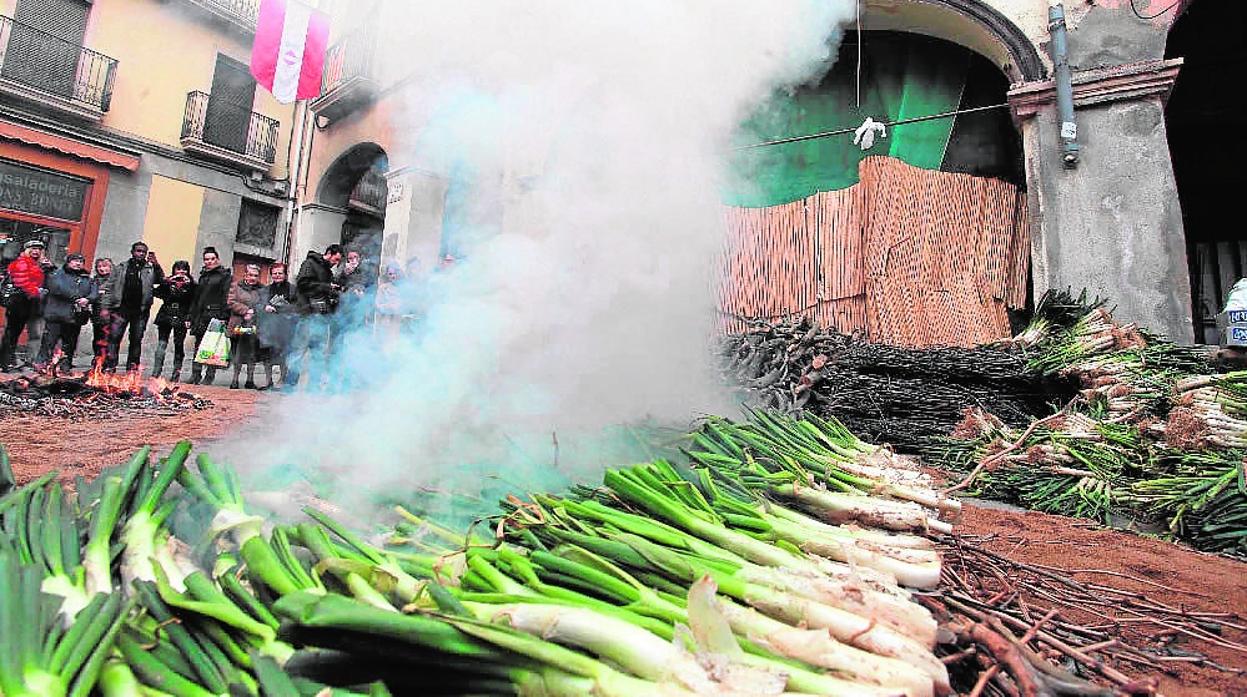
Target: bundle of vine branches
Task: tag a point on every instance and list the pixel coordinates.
(908, 398)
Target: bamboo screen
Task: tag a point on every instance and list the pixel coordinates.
(907, 256)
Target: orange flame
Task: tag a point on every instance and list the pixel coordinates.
(131, 382)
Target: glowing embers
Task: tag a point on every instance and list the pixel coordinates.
(96, 394)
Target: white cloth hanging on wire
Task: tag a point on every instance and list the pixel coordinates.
(864, 136)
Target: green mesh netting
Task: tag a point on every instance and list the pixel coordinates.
(902, 76)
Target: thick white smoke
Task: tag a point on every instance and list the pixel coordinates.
(588, 139)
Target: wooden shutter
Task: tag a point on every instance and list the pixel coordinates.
(46, 44)
(66, 19)
(228, 121)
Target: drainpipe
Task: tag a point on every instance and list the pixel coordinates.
(294, 211)
(1064, 79)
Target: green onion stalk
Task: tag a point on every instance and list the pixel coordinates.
(146, 542)
(529, 661)
(866, 633)
(270, 562)
(45, 534)
(7, 481)
(683, 558)
(752, 582)
(823, 447)
(105, 518)
(908, 558)
(780, 536)
(639, 609)
(39, 656)
(251, 627)
(1203, 499)
(642, 606)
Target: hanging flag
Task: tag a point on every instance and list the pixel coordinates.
(289, 52)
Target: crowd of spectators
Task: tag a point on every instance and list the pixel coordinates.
(287, 328)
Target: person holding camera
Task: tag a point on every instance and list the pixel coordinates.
(177, 290)
(71, 291)
(317, 300)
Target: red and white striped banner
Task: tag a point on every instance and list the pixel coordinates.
(289, 52)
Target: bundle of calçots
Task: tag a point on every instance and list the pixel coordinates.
(1068, 464)
(1152, 438)
(777, 563)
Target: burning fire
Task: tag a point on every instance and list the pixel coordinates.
(130, 382)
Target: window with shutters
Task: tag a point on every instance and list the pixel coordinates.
(46, 43)
(257, 224)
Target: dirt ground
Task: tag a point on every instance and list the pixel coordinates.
(1195, 581)
(83, 448)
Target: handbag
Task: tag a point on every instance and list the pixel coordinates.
(320, 306)
(214, 348)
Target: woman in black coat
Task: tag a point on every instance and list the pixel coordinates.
(211, 302)
(67, 307)
(177, 290)
(279, 312)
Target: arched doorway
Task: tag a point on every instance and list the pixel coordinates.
(355, 185)
(973, 24)
(1204, 119)
(890, 239)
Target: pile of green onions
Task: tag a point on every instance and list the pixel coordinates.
(1219, 404)
(779, 560)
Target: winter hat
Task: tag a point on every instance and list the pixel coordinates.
(74, 255)
(34, 243)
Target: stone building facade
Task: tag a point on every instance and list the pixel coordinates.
(1112, 224)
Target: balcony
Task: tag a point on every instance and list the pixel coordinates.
(227, 132)
(348, 81)
(54, 74)
(236, 14)
(369, 194)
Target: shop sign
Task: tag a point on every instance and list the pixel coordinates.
(37, 192)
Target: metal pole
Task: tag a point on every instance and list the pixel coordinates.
(1064, 80)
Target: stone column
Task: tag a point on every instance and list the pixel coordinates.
(1113, 224)
(413, 217)
(319, 227)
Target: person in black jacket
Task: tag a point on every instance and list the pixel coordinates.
(276, 322)
(317, 300)
(67, 307)
(177, 290)
(211, 297)
(129, 301)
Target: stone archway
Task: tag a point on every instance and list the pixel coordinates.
(979, 25)
(340, 178)
(350, 203)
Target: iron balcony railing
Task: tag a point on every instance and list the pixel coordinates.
(371, 192)
(232, 127)
(348, 59)
(45, 62)
(241, 12)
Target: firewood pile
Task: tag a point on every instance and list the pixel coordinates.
(85, 398)
(909, 398)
